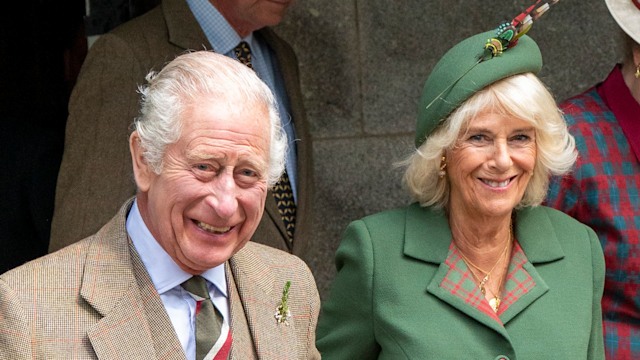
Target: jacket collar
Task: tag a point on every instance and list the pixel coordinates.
(428, 236)
(183, 28)
(132, 326)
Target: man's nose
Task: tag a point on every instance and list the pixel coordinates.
(223, 199)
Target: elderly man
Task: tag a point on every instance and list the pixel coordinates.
(103, 105)
(205, 149)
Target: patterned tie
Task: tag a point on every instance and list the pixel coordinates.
(286, 205)
(243, 53)
(208, 318)
(282, 191)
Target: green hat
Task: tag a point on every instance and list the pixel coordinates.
(461, 73)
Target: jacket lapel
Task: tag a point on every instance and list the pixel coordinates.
(428, 238)
(287, 67)
(258, 297)
(242, 347)
(184, 30)
(116, 285)
(271, 208)
(540, 244)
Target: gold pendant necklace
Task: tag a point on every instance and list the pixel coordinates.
(495, 301)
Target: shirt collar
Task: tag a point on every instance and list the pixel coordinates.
(163, 271)
(217, 29)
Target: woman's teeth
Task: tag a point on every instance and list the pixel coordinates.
(496, 184)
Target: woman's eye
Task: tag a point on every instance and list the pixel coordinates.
(521, 138)
(478, 138)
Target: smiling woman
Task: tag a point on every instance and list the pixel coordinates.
(521, 96)
(476, 257)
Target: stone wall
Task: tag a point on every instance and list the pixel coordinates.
(363, 64)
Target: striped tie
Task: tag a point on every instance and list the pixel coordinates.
(208, 318)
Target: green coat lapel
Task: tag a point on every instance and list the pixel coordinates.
(428, 237)
(540, 244)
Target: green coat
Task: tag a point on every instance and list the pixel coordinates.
(387, 301)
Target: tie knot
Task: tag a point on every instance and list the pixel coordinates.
(243, 53)
(197, 286)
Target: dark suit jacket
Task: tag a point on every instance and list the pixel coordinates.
(390, 299)
(96, 175)
(95, 299)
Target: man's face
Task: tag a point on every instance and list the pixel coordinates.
(246, 16)
(208, 200)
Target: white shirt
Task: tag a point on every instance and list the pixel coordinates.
(167, 276)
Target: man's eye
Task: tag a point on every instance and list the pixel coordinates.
(248, 173)
(203, 167)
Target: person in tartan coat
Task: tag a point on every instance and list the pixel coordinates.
(604, 190)
(475, 268)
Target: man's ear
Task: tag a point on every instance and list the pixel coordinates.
(142, 172)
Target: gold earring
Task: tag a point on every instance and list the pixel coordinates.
(443, 166)
(637, 74)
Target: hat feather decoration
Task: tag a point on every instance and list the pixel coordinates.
(508, 33)
(466, 68)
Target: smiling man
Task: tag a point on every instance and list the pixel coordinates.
(207, 146)
(104, 103)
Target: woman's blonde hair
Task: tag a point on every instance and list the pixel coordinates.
(522, 96)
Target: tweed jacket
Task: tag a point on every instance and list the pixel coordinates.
(396, 295)
(95, 300)
(96, 175)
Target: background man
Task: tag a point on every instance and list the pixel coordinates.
(103, 104)
(205, 149)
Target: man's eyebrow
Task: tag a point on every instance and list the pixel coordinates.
(195, 154)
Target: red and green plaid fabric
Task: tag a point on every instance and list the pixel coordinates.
(603, 192)
(459, 282)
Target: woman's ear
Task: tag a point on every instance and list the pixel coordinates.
(142, 172)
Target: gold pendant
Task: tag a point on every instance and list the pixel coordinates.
(495, 304)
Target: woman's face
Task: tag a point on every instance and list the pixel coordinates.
(491, 165)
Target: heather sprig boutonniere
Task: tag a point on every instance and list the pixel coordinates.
(282, 311)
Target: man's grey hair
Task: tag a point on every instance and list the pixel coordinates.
(185, 80)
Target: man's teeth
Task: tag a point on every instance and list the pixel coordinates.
(496, 184)
(213, 229)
